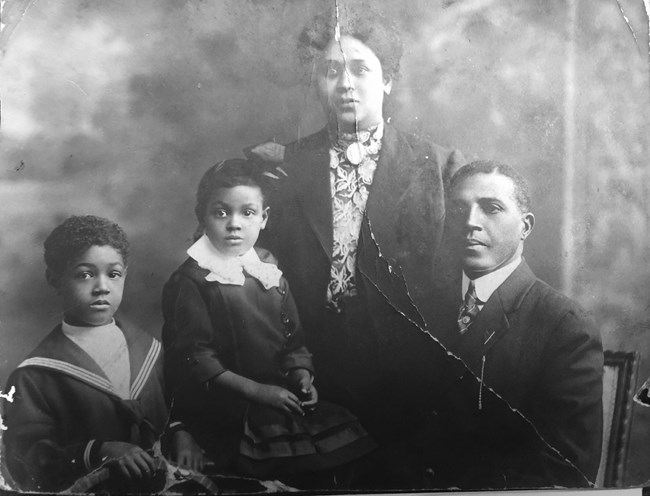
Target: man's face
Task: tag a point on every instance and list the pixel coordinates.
(487, 227)
(351, 85)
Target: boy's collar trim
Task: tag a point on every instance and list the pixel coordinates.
(69, 369)
(230, 270)
(145, 371)
(96, 380)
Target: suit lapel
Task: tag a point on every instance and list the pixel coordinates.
(312, 188)
(494, 320)
(490, 326)
(388, 185)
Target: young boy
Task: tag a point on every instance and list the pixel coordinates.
(91, 392)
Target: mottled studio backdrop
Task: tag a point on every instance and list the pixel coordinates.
(116, 108)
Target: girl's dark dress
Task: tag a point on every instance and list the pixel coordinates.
(255, 332)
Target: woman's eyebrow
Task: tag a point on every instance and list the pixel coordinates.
(84, 264)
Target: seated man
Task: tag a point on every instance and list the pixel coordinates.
(530, 344)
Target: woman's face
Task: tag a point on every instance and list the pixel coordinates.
(351, 85)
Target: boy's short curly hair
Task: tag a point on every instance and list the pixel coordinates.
(376, 31)
(228, 174)
(77, 234)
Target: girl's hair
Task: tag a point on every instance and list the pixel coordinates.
(373, 29)
(77, 234)
(228, 174)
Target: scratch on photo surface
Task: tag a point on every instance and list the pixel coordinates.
(10, 395)
(646, 5)
(10, 398)
(642, 396)
(627, 21)
(475, 377)
(4, 484)
(77, 86)
(11, 13)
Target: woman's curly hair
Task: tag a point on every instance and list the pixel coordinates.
(373, 29)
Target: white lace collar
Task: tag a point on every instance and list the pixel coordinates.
(230, 270)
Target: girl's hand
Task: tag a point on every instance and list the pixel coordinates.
(301, 383)
(186, 452)
(278, 397)
(309, 398)
(127, 460)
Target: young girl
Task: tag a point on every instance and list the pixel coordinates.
(241, 374)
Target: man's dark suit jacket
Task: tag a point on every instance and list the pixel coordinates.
(543, 355)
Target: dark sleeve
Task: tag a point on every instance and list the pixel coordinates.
(569, 397)
(188, 334)
(36, 452)
(455, 161)
(296, 354)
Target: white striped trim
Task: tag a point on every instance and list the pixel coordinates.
(89, 447)
(145, 370)
(68, 368)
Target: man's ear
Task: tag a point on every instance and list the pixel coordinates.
(52, 279)
(528, 220)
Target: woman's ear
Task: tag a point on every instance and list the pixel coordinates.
(388, 84)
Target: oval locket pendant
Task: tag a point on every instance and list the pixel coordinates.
(355, 153)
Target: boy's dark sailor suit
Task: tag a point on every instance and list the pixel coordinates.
(65, 406)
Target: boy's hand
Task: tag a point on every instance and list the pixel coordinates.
(278, 397)
(186, 452)
(128, 460)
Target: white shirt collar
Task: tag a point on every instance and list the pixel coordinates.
(230, 270)
(488, 284)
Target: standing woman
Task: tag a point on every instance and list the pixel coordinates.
(359, 212)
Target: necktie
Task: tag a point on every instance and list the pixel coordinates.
(469, 309)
